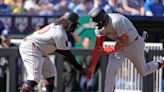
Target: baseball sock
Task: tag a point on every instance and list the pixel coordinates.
(50, 84)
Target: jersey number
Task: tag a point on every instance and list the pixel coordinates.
(44, 29)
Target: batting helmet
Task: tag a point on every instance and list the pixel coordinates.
(99, 16)
(73, 18)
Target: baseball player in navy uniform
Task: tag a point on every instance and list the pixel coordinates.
(128, 44)
(35, 48)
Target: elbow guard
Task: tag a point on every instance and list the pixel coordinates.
(99, 41)
(95, 53)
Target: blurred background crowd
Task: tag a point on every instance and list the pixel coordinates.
(46, 8)
(82, 7)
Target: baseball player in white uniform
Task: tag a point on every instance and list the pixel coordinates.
(128, 44)
(35, 48)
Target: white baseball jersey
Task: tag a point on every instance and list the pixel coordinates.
(50, 38)
(35, 48)
(118, 24)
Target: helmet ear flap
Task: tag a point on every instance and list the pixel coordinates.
(73, 20)
(67, 25)
(73, 27)
(98, 16)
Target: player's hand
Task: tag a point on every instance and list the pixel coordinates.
(84, 72)
(106, 50)
(91, 72)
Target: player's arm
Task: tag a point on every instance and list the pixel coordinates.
(123, 41)
(70, 57)
(95, 55)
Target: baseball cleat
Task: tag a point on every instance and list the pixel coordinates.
(144, 35)
(161, 62)
(27, 88)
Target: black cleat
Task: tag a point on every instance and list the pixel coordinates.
(27, 88)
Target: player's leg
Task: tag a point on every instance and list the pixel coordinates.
(33, 61)
(135, 52)
(82, 83)
(91, 84)
(49, 71)
(114, 63)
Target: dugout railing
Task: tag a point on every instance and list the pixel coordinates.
(149, 82)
